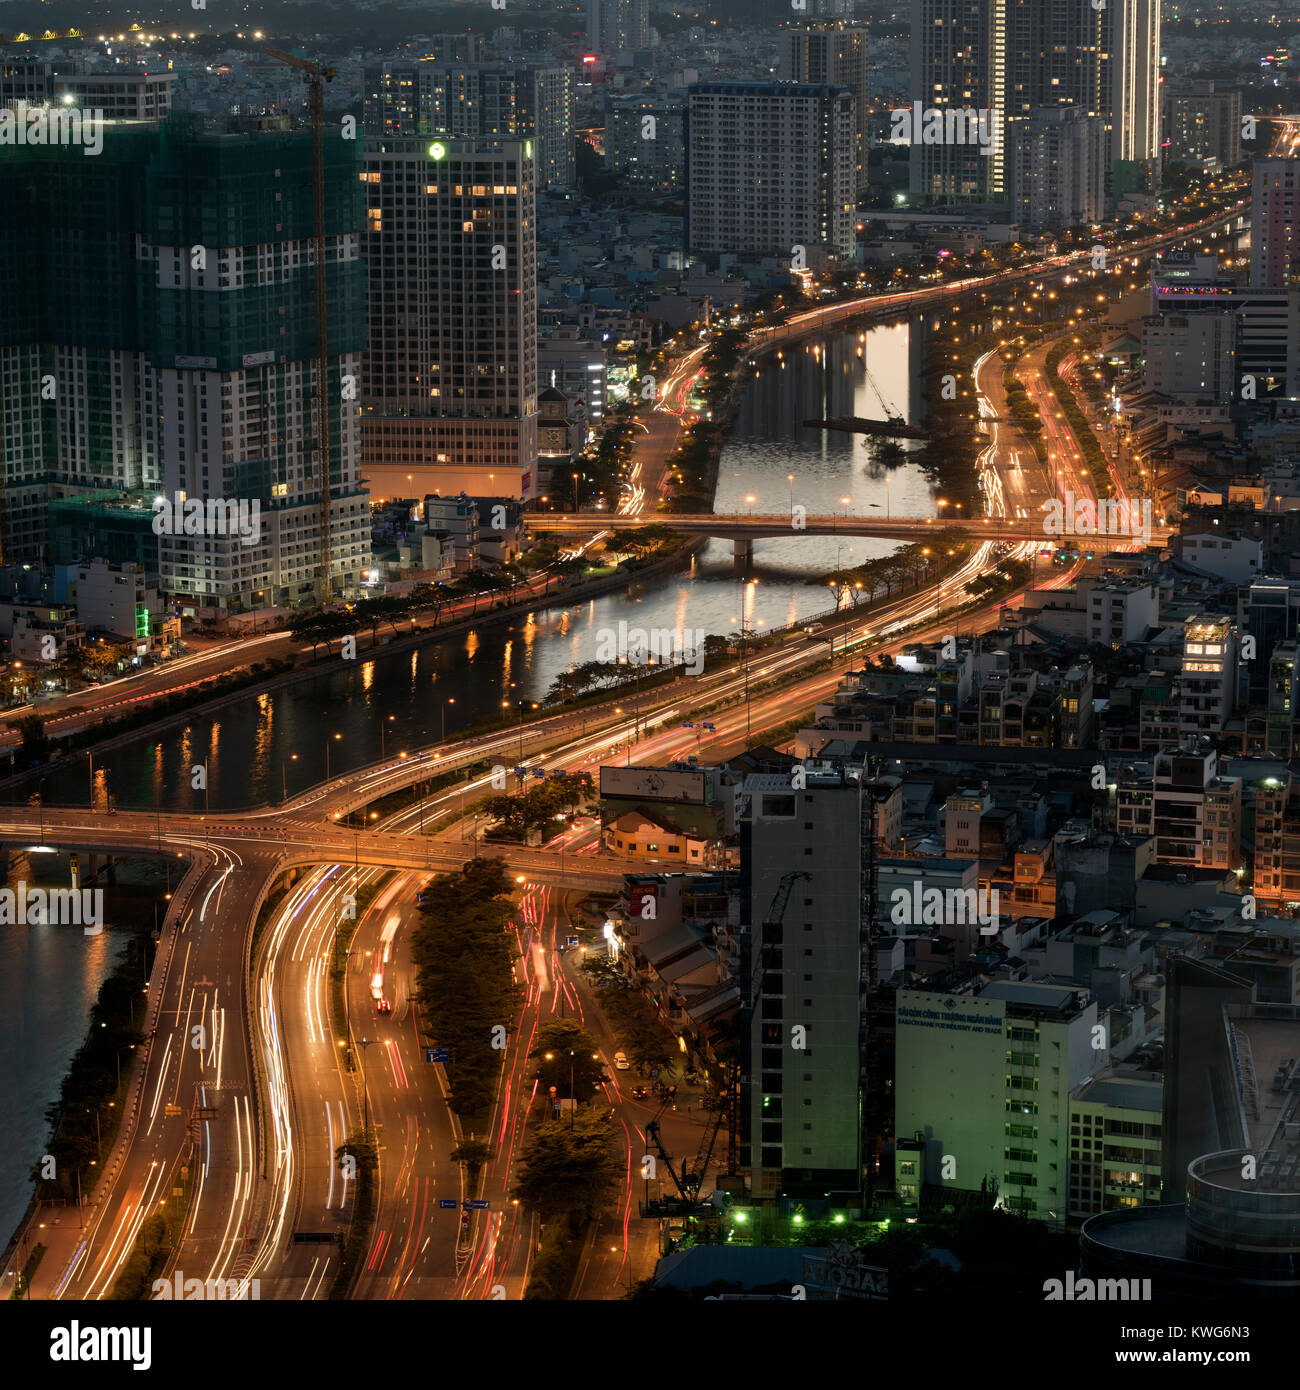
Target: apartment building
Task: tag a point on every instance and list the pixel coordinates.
(449, 384)
(771, 172)
(1193, 812)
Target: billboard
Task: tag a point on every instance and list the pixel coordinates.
(653, 784)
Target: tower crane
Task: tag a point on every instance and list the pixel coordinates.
(317, 76)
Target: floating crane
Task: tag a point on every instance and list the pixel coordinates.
(317, 76)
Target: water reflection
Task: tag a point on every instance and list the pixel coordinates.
(290, 735)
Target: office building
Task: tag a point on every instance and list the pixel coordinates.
(1115, 1143)
(832, 51)
(575, 366)
(490, 101)
(1193, 812)
(1192, 355)
(645, 140)
(1058, 175)
(989, 1074)
(185, 374)
(1204, 126)
(770, 168)
(449, 384)
(802, 960)
(618, 26)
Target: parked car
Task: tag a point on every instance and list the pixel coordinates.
(620, 1061)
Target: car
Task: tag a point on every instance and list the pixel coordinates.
(620, 1061)
(639, 1093)
(384, 1006)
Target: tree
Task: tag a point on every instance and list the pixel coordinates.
(36, 747)
(563, 1043)
(568, 1170)
(473, 1153)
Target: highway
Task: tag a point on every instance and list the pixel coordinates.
(195, 1092)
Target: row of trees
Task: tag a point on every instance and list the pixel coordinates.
(463, 960)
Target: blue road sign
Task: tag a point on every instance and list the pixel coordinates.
(710, 727)
(539, 772)
(573, 941)
(437, 1054)
(688, 725)
(447, 1202)
(477, 1206)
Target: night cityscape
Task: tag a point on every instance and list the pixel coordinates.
(648, 655)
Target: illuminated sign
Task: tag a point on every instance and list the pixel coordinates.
(437, 150)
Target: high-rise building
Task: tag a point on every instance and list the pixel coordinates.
(1204, 125)
(801, 1103)
(1130, 90)
(449, 385)
(645, 140)
(832, 51)
(1058, 176)
(1191, 354)
(134, 95)
(770, 168)
(192, 367)
(1274, 241)
(488, 101)
(989, 1075)
(1017, 57)
(958, 62)
(618, 26)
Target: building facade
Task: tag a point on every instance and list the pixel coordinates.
(449, 384)
(771, 172)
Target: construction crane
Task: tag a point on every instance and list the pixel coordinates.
(317, 76)
(891, 415)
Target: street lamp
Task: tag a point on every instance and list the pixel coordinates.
(292, 758)
(383, 723)
(327, 755)
(451, 700)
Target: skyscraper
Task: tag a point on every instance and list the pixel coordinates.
(1019, 57)
(1274, 243)
(187, 364)
(958, 62)
(449, 386)
(771, 167)
(494, 101)
(833, 51)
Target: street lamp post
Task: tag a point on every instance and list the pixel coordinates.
(336, 737)
(292, 758)
(451, 700)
